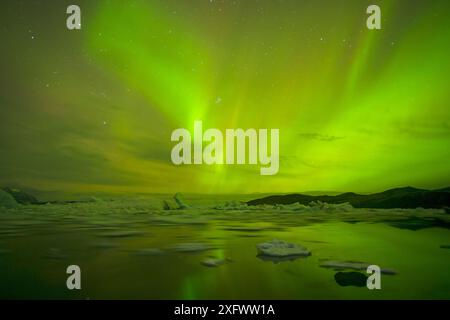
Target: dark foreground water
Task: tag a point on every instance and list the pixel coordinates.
(132, 249)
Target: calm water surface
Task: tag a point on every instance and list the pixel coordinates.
(128, 250)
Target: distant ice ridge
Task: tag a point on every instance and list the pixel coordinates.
(314, 206)
(323, 206)
(233, 205)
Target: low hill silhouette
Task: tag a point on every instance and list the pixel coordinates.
(407, 197)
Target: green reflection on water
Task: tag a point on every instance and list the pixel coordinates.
(138, 255)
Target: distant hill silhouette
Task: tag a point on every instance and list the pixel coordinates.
(444, 189)
(407, 197)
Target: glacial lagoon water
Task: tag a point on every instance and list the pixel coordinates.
(133, 249)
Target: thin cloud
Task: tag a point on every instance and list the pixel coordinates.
(319, 137)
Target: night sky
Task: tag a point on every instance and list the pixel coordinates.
(92, 110)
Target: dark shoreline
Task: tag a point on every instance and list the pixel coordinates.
(407, 198)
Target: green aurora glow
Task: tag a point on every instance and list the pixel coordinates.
(93, 110)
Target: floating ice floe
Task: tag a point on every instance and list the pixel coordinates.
(281, 249)
(180, 202)
(214, 262)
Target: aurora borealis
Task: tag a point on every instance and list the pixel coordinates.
(93, 109)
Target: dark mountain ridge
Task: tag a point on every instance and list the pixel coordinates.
(407, 197)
